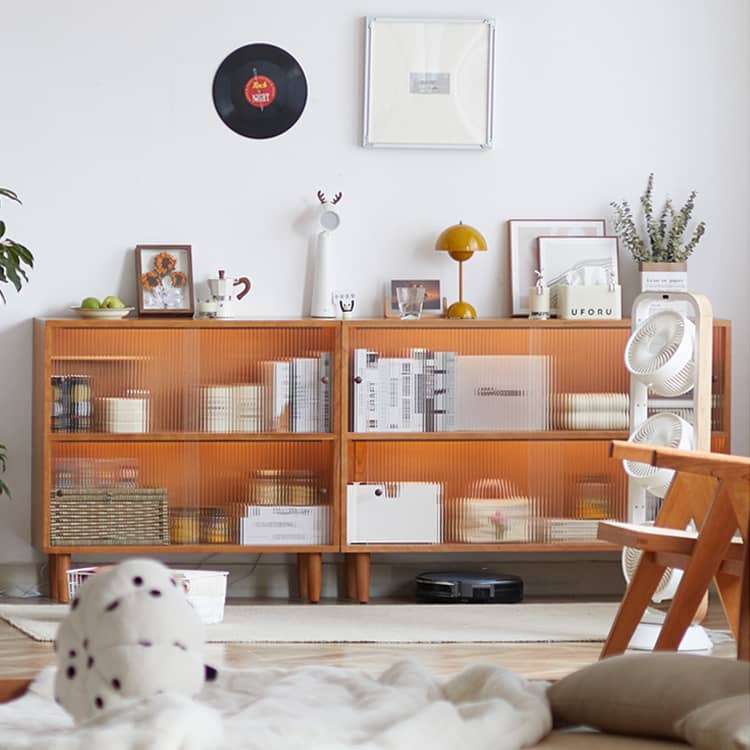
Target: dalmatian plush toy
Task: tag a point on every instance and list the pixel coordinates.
(131, 633)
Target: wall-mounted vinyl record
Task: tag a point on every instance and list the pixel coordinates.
(260, 91)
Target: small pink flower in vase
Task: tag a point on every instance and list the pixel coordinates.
(500, 521)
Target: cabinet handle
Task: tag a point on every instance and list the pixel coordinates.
(357, 379)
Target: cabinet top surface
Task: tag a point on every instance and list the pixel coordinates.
(395, 323)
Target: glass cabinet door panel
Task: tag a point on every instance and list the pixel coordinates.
(209, 489)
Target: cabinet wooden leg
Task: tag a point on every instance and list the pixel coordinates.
(362, 574)
(314, 576)
(303, 568)
(350, 572)
(58, 566)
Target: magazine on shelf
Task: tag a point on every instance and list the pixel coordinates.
(275, 378)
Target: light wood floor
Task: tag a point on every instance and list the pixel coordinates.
(22, 657)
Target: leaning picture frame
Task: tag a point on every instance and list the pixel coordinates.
(522, 246)
(164, 279)
(433, 305)
(429, 82)
(580, 260)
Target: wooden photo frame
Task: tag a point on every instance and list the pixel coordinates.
(164, 280)
(564, 256)
(434, 303)
(524, 259)
(429, 82)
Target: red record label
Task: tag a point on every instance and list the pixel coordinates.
(260, 91)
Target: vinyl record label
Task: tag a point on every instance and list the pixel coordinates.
(260, 91)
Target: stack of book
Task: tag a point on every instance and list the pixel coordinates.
(403, 394)
(437, 391)
(297, 394)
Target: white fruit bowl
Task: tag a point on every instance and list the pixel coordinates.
(110, 313)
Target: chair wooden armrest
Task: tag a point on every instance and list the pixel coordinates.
(714, 490)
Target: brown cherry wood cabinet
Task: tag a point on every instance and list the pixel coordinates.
(156, 436)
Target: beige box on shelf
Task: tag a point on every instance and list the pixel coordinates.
(393, 513)
(286, 524)
(595, 302)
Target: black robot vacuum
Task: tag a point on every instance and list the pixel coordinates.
(468, 588)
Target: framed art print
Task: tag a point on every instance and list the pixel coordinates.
(586, 261)
(164, 276)
(429, 82)
(524, 259)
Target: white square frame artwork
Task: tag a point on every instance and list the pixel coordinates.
(429, 82)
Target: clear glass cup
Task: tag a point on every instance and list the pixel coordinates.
(410, 301)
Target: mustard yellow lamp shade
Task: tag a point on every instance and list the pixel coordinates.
(461, 241)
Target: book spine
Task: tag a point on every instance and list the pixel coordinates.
(325, 376)
(417, 414)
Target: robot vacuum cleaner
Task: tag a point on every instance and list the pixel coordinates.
(469, 588)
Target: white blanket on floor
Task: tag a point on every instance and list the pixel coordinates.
(313, 707)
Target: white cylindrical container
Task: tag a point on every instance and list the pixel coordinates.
(539, 303)
(322, 292)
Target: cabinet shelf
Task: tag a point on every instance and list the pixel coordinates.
(190, 437)
(587, 546)
(487, 436)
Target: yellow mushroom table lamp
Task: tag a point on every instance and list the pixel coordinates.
(461, 242)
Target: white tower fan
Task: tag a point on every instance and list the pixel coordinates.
(668, 356)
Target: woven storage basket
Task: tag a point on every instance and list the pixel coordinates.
(117, 516)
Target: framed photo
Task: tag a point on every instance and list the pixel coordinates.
(164, 276)
(434, 304)
(524, 258)
(585, 260)
(429, 82)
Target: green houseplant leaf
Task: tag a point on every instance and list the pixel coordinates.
(13, 258)
(663, 239)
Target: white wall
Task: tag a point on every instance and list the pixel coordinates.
(109, 134)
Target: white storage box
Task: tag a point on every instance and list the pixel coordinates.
(394, 513)
(594, 302)
(285, 524)
(205, 589)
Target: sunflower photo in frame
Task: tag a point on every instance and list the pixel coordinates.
(164, 275)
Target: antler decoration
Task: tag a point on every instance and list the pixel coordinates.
(322, 198)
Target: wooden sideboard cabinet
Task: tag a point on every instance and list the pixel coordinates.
(158, 436)
(510, 452)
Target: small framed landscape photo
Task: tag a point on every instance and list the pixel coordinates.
(585, 261)
(524, 259)
(433, 303)
(164, 279)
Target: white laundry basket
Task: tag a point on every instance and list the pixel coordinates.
(206, 590)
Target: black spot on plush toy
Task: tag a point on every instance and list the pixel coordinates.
(130, 634)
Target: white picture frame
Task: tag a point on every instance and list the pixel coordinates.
(560, 256)
(429, 82)
(524, 258)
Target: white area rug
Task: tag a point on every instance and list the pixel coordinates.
(374, 623)
(315, 707)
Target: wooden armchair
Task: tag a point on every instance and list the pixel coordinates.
(712, 489)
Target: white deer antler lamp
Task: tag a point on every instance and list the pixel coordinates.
(322, 292)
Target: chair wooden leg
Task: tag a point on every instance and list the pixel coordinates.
(637, 597)
(708, 553)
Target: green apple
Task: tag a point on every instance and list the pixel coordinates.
(90, 302)
(112, 301)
